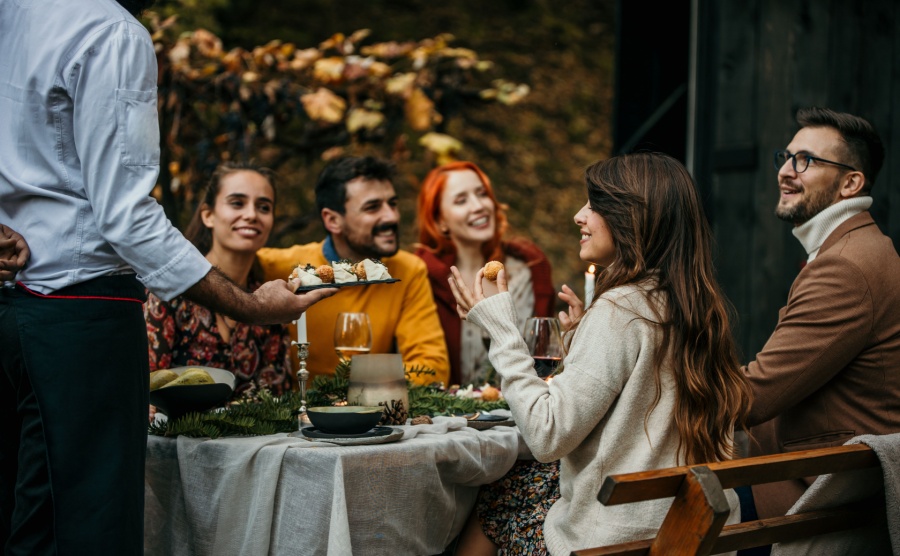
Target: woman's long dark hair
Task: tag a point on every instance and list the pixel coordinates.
(660, 232)
(201, 236)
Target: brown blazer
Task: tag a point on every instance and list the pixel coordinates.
(831, 369)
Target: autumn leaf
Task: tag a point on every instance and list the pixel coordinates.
(388, 50)
(332, 153)
(329, 70)
(445, 147)
(379, 69)
(180, 54)
(419, 110)
(359, 118)
(305, 58)
(232, 60)
(335, 41)
(359, 35)
(324, 106)
(400, 84)
(208, 44)
(505, 92)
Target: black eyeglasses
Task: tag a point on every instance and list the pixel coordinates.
(800, 160)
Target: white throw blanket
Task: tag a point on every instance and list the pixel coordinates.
(842, 488)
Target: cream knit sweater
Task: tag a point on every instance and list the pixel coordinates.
(593, 416)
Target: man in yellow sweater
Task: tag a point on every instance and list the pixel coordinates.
(356, 199)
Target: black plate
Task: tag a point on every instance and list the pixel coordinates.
(313, 432)
(346, 284)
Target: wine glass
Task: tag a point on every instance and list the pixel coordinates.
(352, 335)
(544, 343)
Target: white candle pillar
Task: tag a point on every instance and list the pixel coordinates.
(589, 286)
(301, 329)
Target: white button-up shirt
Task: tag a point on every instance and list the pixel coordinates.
(79, 147)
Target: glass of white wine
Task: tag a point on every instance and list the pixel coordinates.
(352, 335)
(544, 342)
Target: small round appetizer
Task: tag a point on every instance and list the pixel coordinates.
(492, 269)
(325, 274)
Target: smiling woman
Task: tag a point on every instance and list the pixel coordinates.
(230, 225)
(461, 223)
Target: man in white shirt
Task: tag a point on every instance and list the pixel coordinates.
(79, 155)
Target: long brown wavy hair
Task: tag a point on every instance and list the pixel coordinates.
(429, 211)
(661, 234)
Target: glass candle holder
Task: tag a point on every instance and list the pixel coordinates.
(378, 379)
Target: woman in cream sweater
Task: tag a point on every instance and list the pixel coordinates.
(651, 377)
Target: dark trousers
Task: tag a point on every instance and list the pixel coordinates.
(748, 513)
(73, 420)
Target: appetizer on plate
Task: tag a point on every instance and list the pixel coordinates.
(340, 272)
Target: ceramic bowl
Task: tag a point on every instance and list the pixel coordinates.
(175, 401)
(347, 419)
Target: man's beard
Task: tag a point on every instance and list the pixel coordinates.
(368, 246)
(807, 207)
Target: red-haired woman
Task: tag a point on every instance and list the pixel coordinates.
(462, 224)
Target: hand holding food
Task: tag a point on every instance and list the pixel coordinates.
(492, 269)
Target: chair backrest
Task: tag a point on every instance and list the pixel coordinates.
(695, 524)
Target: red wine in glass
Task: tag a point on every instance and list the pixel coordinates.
(546, 366)
(544, 344)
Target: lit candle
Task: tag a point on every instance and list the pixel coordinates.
(301, 329)
(589, 286)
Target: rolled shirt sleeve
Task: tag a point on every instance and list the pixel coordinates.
(115, 128)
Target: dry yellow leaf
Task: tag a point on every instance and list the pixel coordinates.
(444, 147)
(359, 118)
(324, 106)
(208, 44)
(400, 84)
(379, 69)
(329, 70)
(419, 109)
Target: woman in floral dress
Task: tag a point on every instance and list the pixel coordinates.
(232, 222)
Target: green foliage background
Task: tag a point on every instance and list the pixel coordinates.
(534, 152)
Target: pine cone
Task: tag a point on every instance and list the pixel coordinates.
(394, 413)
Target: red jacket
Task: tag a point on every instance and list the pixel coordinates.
(439, 270)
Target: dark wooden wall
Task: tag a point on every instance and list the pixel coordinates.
(761, 60)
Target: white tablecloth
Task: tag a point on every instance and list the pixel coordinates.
(284, 495)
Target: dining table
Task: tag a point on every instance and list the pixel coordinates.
(284, 494)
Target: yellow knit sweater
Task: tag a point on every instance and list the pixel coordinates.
(403, 314)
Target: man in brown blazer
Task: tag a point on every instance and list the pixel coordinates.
(831, 369)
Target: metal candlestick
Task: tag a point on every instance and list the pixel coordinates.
(302, 376)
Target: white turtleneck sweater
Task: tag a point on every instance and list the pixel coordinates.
(813, 233)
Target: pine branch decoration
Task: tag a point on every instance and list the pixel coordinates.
(265, 414)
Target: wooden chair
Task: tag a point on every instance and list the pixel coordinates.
(695, 522)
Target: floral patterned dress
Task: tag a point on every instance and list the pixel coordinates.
(512, 509)
(181, 332)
